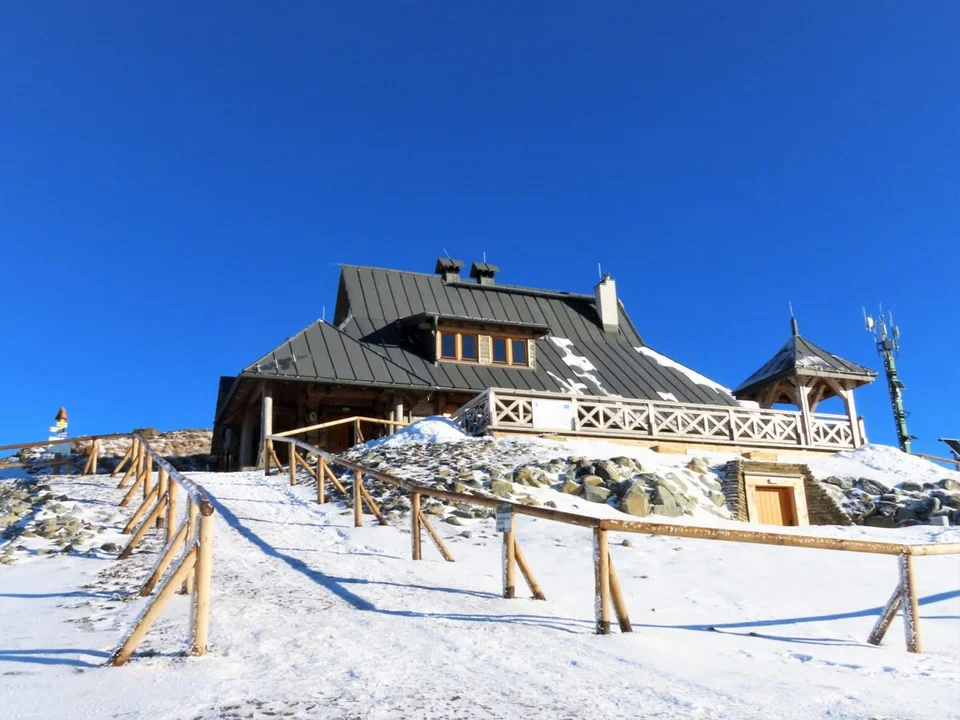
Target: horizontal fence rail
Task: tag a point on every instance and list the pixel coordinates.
(515, 410)
(186, 558)
(607, 588)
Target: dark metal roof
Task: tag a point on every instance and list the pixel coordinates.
(469, 320)
(799, 356)
(322, 353)
(374, 342)
(374, 302)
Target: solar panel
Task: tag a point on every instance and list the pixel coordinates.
(954, 446)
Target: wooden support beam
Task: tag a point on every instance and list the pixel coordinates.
(601, 575)
(142, 530)
(303, 462)
(183, 570)
(133, 488)
(119, 465)
(134, 468)
(527, 572)
(293, 467)
(358, 435)
(436, 538)
(138, 513)
(357, 507)
(886, 617)
(94, 456)
(172, 549)
(273, 455)
(86, 467)
(619, 605)
(201, 597)
(415, 525)
(374, 508)
(336, 482)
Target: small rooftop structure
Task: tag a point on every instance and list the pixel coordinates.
(803, 374)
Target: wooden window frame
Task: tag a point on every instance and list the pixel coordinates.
(458, 346)
(508, 341)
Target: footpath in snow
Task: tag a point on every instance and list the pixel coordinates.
(314, 618)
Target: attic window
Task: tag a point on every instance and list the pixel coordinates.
(509, 351)
(460, 346)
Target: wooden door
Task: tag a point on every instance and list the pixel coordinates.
(775, 505)
(339, 437)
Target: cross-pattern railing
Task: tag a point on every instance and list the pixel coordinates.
(511, 410)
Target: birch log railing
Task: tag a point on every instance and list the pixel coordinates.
(609, 599)
(186, 559)
(508, 410)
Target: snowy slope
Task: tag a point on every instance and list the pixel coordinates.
(318, 619)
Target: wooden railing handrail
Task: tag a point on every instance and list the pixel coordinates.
(952, 461)
(195, 492)
(63, 441)
(638, 526)
(607, 591)
(341, 421)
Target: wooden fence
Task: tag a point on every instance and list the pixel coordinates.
(609, 598)
(508, 410)
(188, 548)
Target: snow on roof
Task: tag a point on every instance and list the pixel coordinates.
(578, 362)
(692, 374)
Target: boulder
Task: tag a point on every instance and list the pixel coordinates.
(528, 500)
(881, 521)
(872, 486)
(841, 482)
(667, 510)
(595, 493)
(607, 471)
(949, 484)
(911, 486)
(593, 480)
(453, 520)
(501, 486)
(570, 487)
(698, 465)
(623, 462)
(530, 475)
(635, 502)
(110, 547)
(585, 470)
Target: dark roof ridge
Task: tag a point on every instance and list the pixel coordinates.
(504, 287)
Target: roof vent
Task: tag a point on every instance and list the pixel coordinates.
(448, 268)
(483, 272)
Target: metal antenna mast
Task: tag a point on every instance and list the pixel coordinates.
(887, 337)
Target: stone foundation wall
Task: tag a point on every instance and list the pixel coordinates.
(734, 490)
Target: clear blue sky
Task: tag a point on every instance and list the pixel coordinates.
(178, 181)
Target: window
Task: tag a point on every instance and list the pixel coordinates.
(468, 347)
(448, 345)
(500, 351)
(509, 351)
(459, 346)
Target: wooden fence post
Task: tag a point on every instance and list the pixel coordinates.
(266, 457)
(192, 512)
(147, 473)
(601, 574)
(163, 482)
(357, 500)
(94, 455)
(202, 571)
(415, 525)
(321, 480)
(509, 564)
(911, 606)
(171, 509)
(293, 466)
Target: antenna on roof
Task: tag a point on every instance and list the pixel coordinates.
(599, 272)
(484, 255)
(793, 320)
(445, 253)
(886, 334)
(323, 315)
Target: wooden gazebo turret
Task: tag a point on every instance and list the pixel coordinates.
(803, 374)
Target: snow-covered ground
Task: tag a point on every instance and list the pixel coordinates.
(315, 618)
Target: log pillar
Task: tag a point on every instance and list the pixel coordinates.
(266, 418)
(398, 407)
(851, 408)
(803, 402)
